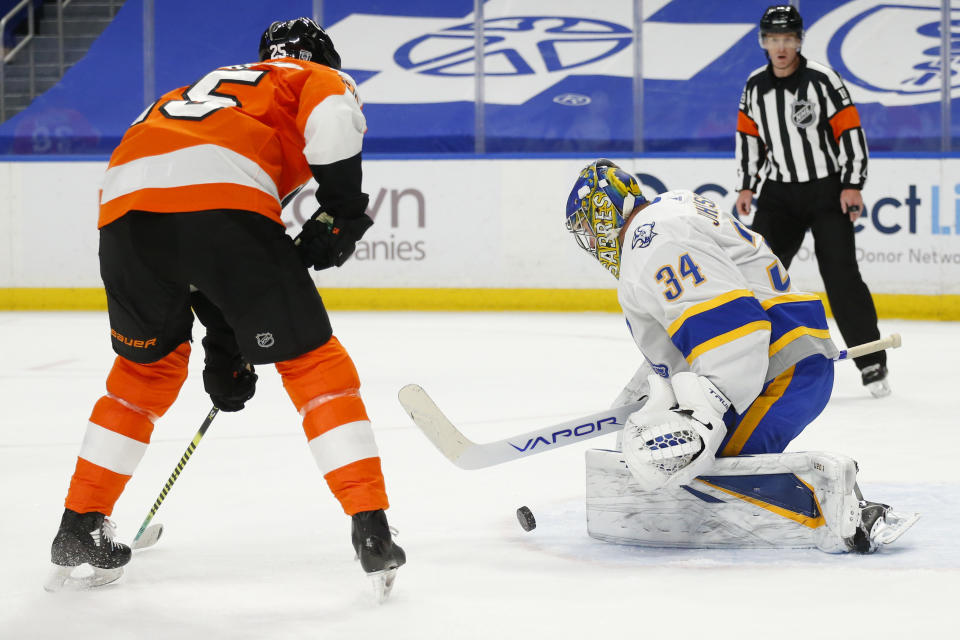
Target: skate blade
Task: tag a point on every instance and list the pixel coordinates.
(879, 389)
(149, 537)
(893, 525)
(383, 583)
(63, 578)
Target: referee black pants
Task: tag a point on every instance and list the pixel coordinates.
(785, 211)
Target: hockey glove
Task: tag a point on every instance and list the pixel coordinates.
(227, 377)
(664, 446)
(700, 399)
(327, 241)
(230, 386)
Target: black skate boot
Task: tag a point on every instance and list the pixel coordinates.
(879, 525)
(86, 538)
(874, 378)
(870, 512)
(379, 556)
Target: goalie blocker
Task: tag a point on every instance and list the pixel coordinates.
(785, 500)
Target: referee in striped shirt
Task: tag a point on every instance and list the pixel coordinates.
(798, 125)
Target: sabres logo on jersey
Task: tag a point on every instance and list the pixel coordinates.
(643, 236)
(661, 370)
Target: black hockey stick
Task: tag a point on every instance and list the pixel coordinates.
(148, 536)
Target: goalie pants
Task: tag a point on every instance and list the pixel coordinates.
(787, 404)
(246, 265)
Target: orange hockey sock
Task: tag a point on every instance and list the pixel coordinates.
(325, 388)
(120, 428)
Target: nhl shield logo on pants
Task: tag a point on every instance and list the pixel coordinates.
(265, 340)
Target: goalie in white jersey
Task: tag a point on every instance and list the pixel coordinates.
(737, 362)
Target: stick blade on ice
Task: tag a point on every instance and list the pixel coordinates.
(149, 537)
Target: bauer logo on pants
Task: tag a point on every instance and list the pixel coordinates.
(136, 343)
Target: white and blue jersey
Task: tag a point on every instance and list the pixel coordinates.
(703, 293)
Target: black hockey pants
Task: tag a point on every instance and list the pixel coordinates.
(784, 213)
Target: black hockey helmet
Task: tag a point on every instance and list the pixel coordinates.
(301, 38)
(781, 18)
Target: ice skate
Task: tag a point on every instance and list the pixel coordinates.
(879, 525)
(874, 378)
(85, 553)
(379, 556)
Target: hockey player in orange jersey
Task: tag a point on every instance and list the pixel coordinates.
(190, 225)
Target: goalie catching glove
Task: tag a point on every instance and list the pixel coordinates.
(671, 446)
(327, 241)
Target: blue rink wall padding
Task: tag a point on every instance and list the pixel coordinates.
(88, 111)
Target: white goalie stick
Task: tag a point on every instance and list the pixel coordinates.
(467, 454)
(892, 341)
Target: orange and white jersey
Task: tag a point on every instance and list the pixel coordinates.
(242, 137)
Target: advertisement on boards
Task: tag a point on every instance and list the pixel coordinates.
(498, 224)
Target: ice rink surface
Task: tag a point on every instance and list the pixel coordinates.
(256, 547)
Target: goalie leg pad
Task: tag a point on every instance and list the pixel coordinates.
(789, 500)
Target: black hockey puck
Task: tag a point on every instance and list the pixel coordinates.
(527, 521)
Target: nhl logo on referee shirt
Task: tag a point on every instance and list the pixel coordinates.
(804, 113)
(265, 340)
